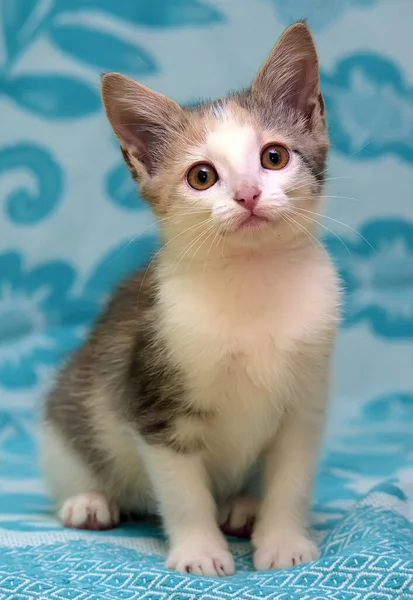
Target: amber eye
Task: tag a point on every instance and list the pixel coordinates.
(202, 176)
(275, 157)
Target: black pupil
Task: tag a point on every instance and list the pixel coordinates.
(274, 156)
(203, 175)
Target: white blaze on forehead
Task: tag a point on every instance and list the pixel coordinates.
(234, 149)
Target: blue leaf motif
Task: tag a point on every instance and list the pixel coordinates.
(395, 407)
(21, 21)
(53, 96)
(101, 49)
(123, 190)
(369, 107)
(163, 13)
(378, 277)
(153, 13)
(390, 488)
(23, 206)
(40, 317)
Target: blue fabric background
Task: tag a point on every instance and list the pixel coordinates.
(71, 225)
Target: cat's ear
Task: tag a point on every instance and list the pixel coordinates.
(291, 74)
(140, 118)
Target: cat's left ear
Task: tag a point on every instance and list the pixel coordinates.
(141, 118)
(290, 74)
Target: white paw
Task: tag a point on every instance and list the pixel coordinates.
(89, 511)
(237, 518)
(283, 550)
(201, 557)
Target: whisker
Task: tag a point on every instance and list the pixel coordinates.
(310, 180)
(323, 197)
(336, 221)
(208, 232)
(209, 236)
(341, 198)
(223, 237)
(211, 245)
(289, 224)
(368, 143)
(324, 227)
(146, 229)
(187, 248)
(122, 250)
(308, 233)
(196, 226)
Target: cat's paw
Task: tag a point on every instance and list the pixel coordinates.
(201, 557)
(282, 550)
(89, 511)
(237, 518)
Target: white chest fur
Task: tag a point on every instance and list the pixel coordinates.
(233, 330)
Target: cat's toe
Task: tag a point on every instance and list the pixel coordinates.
(284, 550)
(89, 511)
(201, 560)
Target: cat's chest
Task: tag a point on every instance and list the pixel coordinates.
(230, 334)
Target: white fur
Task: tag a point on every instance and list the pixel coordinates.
(89, 510)
(67, 475)
(238, 332)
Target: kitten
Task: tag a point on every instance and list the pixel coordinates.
(214, 363)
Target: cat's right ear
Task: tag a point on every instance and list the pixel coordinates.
(291, 74)
(139, 117)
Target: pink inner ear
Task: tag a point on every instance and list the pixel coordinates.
(306, 85)
(139, 146)
(129, 128)
(291, 72)
(138, 136)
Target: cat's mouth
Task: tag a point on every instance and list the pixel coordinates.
(248, 223)
(252, 222)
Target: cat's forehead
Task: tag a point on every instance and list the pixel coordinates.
(231, 136)
(229, 133)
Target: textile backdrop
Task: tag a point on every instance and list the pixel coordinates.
(71, 225)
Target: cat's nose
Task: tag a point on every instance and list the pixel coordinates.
(248, 197)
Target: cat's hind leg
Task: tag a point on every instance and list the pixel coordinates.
(238, 516)
(81, 500)
(89, 511)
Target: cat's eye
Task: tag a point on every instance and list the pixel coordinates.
(202, 176)
(274, 157)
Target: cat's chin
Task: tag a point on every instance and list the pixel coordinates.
(252, 229)
(252, 222)
(254, 235)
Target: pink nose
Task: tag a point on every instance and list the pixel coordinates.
(248, 197)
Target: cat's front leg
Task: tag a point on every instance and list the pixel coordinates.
(188, 511)
(280, 536)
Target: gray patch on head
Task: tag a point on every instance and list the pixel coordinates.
(310, 139)
(217, 108)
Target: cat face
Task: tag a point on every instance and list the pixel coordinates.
(247, 178)
(247, 168)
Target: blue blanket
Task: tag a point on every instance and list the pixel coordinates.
(71, 226)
